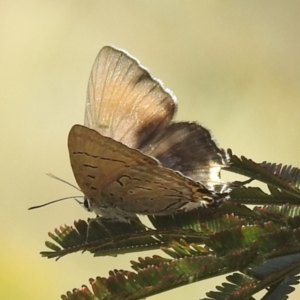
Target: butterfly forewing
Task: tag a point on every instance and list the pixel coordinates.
(97, 160)
(123, 101)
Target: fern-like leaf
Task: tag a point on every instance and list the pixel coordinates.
(288, 173)
(248, 167)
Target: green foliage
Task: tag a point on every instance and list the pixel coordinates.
(257, 246)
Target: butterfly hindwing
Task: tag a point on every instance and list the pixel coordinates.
(190, 149)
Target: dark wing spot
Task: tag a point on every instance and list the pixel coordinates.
(119, 179)
(90, 166)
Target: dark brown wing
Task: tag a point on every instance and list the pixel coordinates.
(190, 149)
(123, 101)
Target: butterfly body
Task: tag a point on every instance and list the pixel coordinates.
(130, 157)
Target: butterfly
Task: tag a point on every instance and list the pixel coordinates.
(130, 157)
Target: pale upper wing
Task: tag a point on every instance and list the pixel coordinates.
(190, 149)
(123, 101)
(97, 160)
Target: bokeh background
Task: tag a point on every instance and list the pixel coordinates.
(233, 65)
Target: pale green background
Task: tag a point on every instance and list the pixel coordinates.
(234, 66)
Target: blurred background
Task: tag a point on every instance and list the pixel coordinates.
(233, 66)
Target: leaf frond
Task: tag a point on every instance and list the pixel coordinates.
(248, 167)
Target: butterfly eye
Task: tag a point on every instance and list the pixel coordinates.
(87, 205)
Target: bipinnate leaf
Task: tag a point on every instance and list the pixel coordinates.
(256, 246)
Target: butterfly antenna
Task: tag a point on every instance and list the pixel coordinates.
(59, 179)
(58, 200)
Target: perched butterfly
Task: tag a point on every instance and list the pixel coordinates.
(131, 157)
